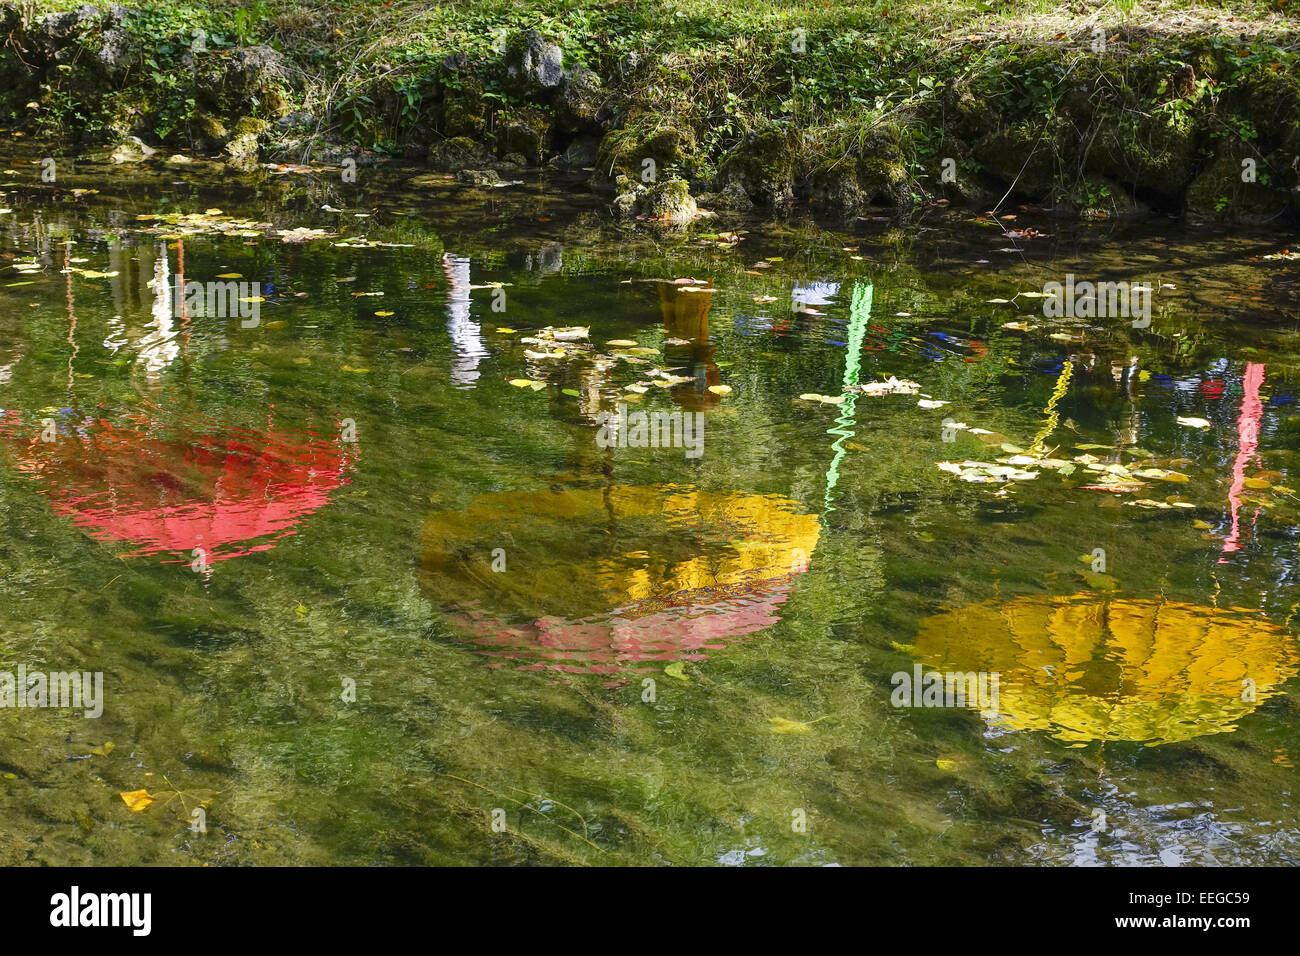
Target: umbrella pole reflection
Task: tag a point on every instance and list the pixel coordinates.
(72, 315)
(1248, 419)
(859, 318)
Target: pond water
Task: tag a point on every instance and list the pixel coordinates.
(371, 579)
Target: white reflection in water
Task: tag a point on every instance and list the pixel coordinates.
(465, 337)
(157, 347)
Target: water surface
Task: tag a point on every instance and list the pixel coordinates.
(638, 655)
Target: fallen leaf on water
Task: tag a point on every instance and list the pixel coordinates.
(783, 725)
(136, 800)
(720, 389)
(104, 749)
(676, 669)
(1193, 422)
(574, 334)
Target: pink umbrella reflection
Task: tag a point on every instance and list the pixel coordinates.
(1248, 419)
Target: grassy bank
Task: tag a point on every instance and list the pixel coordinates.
(1100, 110)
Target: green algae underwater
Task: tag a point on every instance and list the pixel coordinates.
(365, 589)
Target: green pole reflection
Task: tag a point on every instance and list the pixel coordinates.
(859, 316)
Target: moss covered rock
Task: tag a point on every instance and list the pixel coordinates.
(464, 110)
(1155, 151)
(525, 131)
(1220, 194)
(1095, 199)
(763, 166)
(581, 97)
(459, 152)
(731, 198)
(243, 151)
(669, 201)
(644, 155)
(1025, 155)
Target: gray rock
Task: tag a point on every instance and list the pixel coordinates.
(113, 57)
(58, 29)
(296, 120)
(255, 71)
(533, 63)
(581, 153)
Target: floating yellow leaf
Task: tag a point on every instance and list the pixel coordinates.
(136, 800)
(945, 764)
(781, 725)
(720, 389)
(103, 750)
(675, 669)
(621, 343)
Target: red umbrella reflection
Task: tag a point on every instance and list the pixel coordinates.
(217, 494)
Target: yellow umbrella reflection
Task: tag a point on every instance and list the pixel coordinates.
(685, 315)
(593, 579)
(1087, 668)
